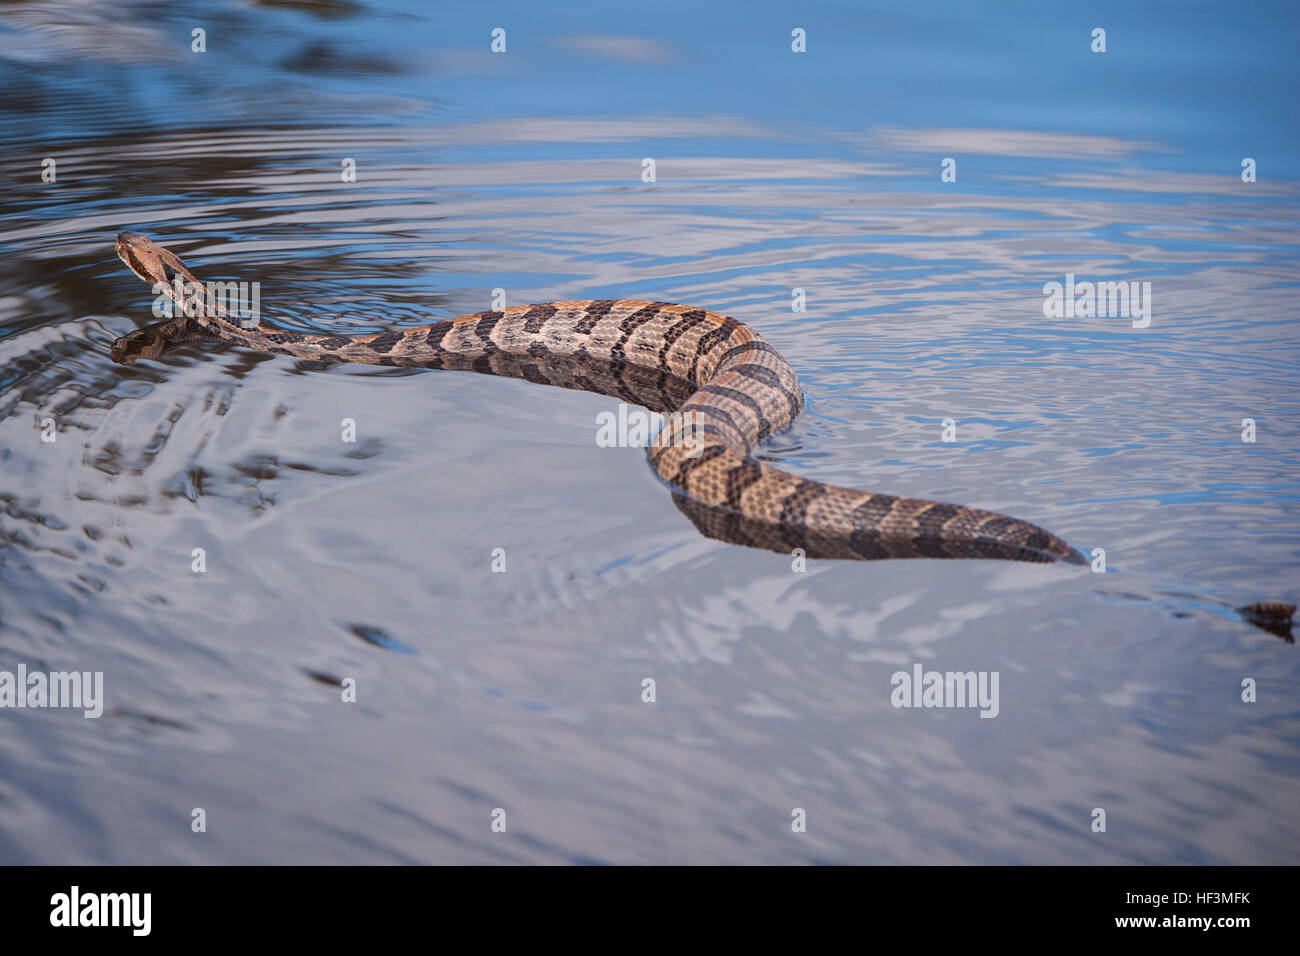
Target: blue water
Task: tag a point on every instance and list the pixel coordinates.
(775, 171)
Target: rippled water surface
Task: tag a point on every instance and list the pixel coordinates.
(522, 172)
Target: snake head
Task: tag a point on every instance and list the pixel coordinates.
(150, 261)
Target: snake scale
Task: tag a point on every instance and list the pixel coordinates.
(725, 390)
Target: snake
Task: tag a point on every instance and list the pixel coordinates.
(720, 390)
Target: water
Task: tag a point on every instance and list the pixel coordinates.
(522, 690)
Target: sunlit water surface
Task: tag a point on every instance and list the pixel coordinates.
(522, 690)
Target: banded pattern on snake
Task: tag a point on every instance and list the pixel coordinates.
(728, 390)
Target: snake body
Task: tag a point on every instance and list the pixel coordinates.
(726, 390)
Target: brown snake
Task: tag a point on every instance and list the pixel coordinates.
(728, 389)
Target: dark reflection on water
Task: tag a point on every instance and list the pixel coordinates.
(326, 560)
